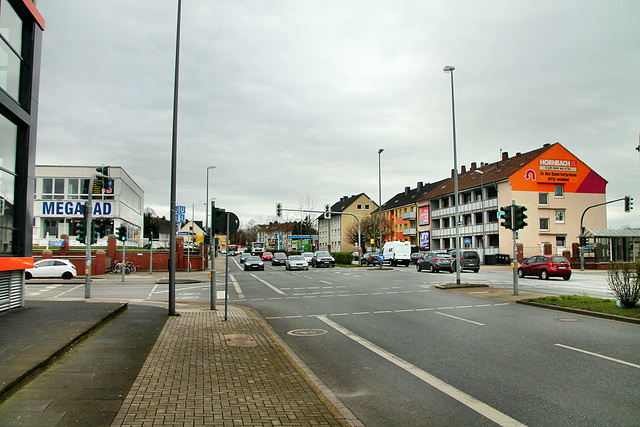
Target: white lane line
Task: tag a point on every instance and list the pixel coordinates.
(67, 291)
(599, 355)
(268, 284)
(325, 282)
(460, 318)
(467, 400)
(236, 286)
(153, 290)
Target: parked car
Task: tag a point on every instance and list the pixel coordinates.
(296, 262)
(356, 255)
(244, 257)
(415, 256)
(397, 252)
(370, 258)
(321, 258)
(435, 262)
(266, 256)
(253, 262)
(51, 268)
(470, 260)
(279, 258)
(545, 266)
(307, 256)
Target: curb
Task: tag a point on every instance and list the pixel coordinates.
(9, 387)
(583, 312)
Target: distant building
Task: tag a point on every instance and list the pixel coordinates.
(333, 232)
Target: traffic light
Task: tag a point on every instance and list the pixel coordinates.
(122, 233)
(628, 203)
(327, 212)
(81, 232)
(207, 239)
(103, 181)
(508, 221)
(520, 216)
(279, 209)
(94, 232)
(583, 240)
(216, 224)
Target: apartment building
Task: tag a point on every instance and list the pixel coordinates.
(334, 231)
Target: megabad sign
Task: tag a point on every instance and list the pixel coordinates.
(62, 208)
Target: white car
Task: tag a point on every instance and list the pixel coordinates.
(307, 256)
(51, 268)
(296, 262)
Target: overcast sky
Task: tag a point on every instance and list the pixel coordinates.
(291, 99)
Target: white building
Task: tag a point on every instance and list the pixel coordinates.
(61, 191)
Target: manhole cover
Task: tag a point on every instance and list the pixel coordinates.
(569, 319)
(307, 332)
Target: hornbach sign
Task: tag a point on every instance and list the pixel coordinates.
(73, 209)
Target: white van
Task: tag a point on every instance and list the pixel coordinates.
(397, 253)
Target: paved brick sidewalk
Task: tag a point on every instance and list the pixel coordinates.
(207, 371)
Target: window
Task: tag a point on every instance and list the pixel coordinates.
(10, 49)
(560, 241)
(53, 188)
(359, 207)
(367, 207)
(73, 188)
(559, 216)
(544, 223)
(559, 191)
(543, 198)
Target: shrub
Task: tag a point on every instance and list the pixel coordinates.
(624, 282)
(342, 257)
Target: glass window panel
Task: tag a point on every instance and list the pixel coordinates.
(11, 26)
(9, 70)
(6, 237)
(73, 189)
(559, 191)
(58, 188)
(9, 137)
(7, 191)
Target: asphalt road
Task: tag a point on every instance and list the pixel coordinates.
(398, 351)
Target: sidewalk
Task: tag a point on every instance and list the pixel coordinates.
(94, 363)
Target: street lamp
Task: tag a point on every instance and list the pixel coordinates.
(212, 253)
(482, 208)
(449, 69)
(380, 198)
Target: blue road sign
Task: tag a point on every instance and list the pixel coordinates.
(381, 257)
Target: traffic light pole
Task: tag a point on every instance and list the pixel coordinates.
(515, 249)
(582, 226)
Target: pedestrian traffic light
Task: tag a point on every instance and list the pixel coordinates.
(520, 216)
(628, 203)
(279, 209)
(94, 233)
(122, 233)
(507, 219)
(81, 232)
(583, 240)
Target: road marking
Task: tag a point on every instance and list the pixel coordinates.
(467, 400)
(268, 284)
(328, 283)
(633, 365)
(236, 286)
(69, 290)
(460, 318)
(153, 290)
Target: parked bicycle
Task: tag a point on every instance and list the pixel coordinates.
(116, 268)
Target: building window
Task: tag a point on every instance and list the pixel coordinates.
(53, 188)
(543, 198)
(560, 241)
(559, 217)
(11, 48)
(559, 191)
(73, 188)
(367, 207)
(359, 207)
(544, 223)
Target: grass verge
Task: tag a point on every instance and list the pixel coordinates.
(598, 305)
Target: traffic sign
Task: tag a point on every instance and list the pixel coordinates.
(180, 217)
(183, 233)
(181, 209)
(467, 241)
(381, 257)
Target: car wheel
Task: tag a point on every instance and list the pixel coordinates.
(27, 275)
(520, 273)
(306, 268)
(433, 269)
(262, 268)
(566, 277)
(418, 268)
(245, 268)
(477, 270)
(544, 275)
(67, 276)
(332, 265)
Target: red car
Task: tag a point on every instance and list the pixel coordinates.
(266, 256)
(545, 266)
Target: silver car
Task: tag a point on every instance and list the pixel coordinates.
(296, 262)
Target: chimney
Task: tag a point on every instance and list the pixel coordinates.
(463, 169)
(474, 166)
(505, 156)
(419, 185)
(406, 190)
(453, 173)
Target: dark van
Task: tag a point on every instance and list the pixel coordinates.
(470, 260)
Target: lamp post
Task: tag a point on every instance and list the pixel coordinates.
(212, 267)
(449, 69)
(380, 198)
(482, 208)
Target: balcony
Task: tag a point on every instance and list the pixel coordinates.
(409, 232)
(409, 216)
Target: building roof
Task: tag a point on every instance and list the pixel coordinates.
(624, 232)
(410, 196)
(344, 203)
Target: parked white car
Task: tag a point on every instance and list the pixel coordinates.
(296, 262)
(51, 268)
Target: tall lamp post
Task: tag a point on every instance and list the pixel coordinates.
(212, 267)
(380, 198)
(482, 209)
(449, 69)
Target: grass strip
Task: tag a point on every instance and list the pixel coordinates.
(583, 302)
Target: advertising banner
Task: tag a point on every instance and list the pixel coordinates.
(423, 215)
(425, 237)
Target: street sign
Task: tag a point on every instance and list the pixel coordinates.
(381, 257)
(500, 214)
(180, 217)
(460, 223)
(183, 233)
(467, 241)
(181, 209)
